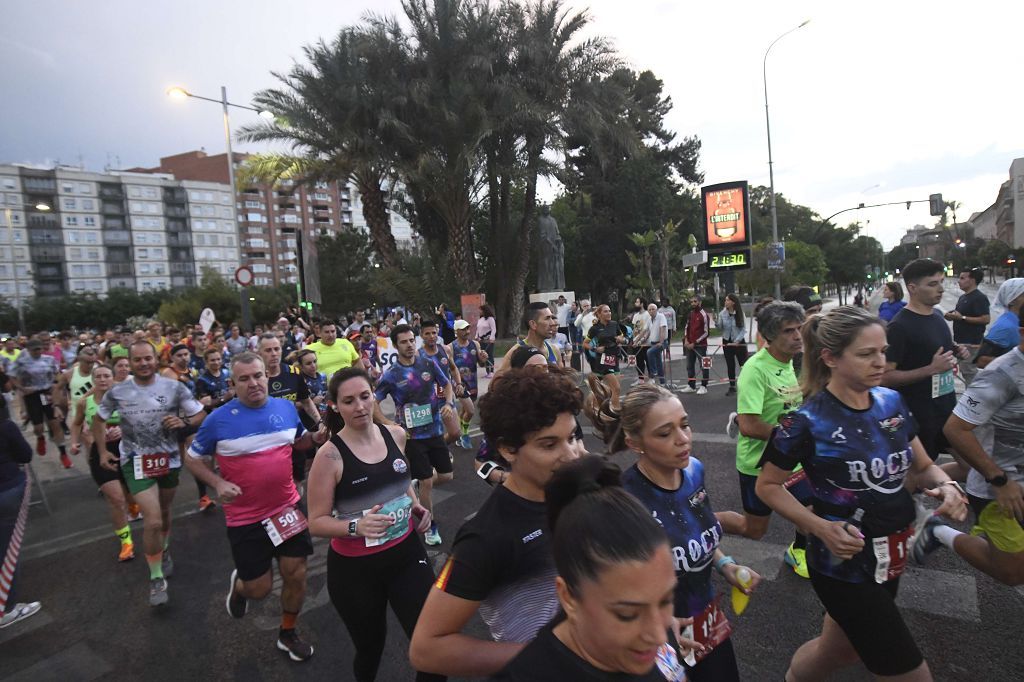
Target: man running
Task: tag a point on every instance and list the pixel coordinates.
(253, 437)
(541, 327)
(970, 317)
(34, 374)
(987, 430)
(441, 354)
(73, 384)
(420, 410)
(333, 353)
(767, 390)
(151, 409)
(285, 381)
(467, 356)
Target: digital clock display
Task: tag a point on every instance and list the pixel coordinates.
(729, 260)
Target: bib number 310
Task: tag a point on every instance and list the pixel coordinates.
(152, 465)
(285, 525)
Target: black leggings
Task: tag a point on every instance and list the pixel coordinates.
(733, 355)
(361, 589)
(719, 666)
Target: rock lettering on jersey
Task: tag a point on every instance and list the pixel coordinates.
(892, 468)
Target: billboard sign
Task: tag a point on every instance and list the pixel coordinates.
(726, 216)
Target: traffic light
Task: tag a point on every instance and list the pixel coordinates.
(935, 204)
(308, 305)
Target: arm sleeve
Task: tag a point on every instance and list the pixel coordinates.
(984, 397)
(791, 443)
(471, 572)
(205, 442)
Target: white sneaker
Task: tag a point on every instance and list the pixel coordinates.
(687, 389)
(732, 427)
(19, 612)
(701, 390)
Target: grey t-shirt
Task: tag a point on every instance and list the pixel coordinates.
(994, 402)
(142, 410)
(35, 374)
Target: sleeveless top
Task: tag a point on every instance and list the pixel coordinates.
(78, 385)
(362, 486)
(551, 356)
(90, 412)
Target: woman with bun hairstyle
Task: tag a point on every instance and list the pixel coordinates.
(858, 443)
(616, 586)
(501, 564)
(361, 496)
(670, 483)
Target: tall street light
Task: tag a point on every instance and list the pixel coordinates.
(178, 92)
(771, 170)
(14, 264)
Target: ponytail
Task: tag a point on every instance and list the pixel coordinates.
(833, 331)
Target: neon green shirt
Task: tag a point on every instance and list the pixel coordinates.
(339, 355)
(766, 388)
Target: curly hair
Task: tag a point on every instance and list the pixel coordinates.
(524, 401)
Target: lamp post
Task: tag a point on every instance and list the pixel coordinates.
(771, 170)
(14, 263)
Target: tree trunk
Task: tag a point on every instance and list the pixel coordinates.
(375, 213)
(461, 260)
(521, 264)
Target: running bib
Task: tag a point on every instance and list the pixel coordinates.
(891, 554)
(400, 511)
(710, 628)
(418, 415)
(285, 525)
(152, 465)
(609, 360)
(942, 384)
(669, 665)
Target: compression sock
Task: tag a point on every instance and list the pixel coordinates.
(288, 620)
(946, 535)
(124, 535)
(800, 541)
(167, 540)
(155, 561)
(465, 427)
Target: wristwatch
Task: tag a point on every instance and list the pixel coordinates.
(997, 481)
(352, 528)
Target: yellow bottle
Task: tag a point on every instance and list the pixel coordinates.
(739, 598)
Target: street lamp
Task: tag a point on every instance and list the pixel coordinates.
(40, 206)
(771, 170)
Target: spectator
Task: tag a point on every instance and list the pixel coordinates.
(893, 303)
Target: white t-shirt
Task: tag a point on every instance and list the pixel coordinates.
(562, 314)
(659, 328)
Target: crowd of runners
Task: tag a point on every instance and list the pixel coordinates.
(580, 570)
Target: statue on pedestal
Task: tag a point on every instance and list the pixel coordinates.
(550, 254)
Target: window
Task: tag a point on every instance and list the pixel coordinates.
(69, 204)
(226, 213)
(135, 206)
(152, 208)
(74, 238)
(207, 196)
(229, 240)
(70, 221)
(90, 221)
(88, 205)
(253, 204)
(198, 239)
(77, 270)
(67, 187)
(84, 188)
(158, 253)
(10, 183)
(150, 192)
(91, 238)
(144, 268)
(93, 254)
(75, 253)
(194, 195)
(142, 253)
(134, 192)
(225, 198)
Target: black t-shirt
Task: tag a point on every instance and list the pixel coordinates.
(502, 558)
(913, 340)
(973, 304)
(289, 385)
(546, 659)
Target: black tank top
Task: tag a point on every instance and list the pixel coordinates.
(364, 485)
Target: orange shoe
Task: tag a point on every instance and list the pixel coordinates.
(127, 552)
(65, 460)
(205, 503)
(134, 512)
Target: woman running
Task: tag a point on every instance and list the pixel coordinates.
(603, 342)
(734, 338)
(111, 483)
(361, 496)
(616, 586)
(670, 483)
(858, 442)
(501, 564)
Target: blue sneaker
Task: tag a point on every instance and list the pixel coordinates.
(924, 541)
(466, 443)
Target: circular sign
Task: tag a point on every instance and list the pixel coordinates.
(243, 275)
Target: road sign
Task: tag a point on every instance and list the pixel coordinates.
(776, 253)
(695, 258)
(243, 275)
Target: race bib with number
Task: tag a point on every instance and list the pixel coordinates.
(942, 384)
(152, 465)
(418, 415)
(609, 359)
(891, 554)
(285, 525)
(45, 398)
(669, 665)
(710, 628)
(400, 511)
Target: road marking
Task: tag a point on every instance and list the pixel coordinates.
(78, 662)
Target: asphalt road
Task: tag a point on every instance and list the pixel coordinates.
(96, 622)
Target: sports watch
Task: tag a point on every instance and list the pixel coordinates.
(998, 481)
(352, 528)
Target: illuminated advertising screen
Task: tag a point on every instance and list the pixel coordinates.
(726, 215)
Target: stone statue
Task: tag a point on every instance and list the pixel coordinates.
(550, 254)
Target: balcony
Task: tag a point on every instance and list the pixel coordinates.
(287, 255)
(183, 269)
(39, 185)
(110, 208)
(175, 212)
(113, 223)
(174, 195)
(112, 192)
(120, 269)
(188, 281)
(180, 254)
(44, 237)
(54, 271)
(117, 237)
(178, 239)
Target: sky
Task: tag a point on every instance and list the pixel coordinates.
(871, 102)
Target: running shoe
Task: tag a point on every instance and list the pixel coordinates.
(65, 460)
(924, 541)
(167, 564)
(797, 559)
(134, 512)
(289, 641)
(19, 612)
(41, 445)
(731, 391)
(236, 603)
(206, 503)
(466, 443)
(688, 389)
(732, 427)
(701, 390)
(432, 536)
(158, 592)
(127, 552)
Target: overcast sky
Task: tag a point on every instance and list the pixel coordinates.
(870, 102)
